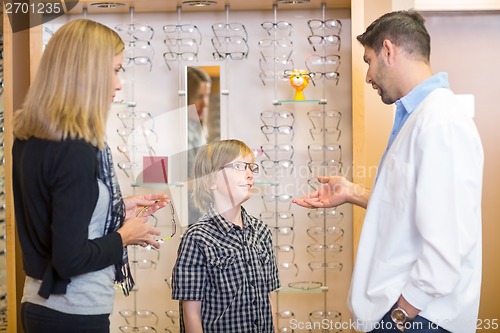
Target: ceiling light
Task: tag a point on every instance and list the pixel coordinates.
(107, 4)
(199, 3)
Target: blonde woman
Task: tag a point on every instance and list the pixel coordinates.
(226, 266)
(74, 226)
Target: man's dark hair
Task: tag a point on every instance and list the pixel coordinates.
(404, 28)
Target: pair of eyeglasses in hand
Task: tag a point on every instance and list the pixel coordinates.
(174, 224)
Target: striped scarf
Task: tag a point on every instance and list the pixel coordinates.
(116, 215)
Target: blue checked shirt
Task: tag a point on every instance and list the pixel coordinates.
(231, 270)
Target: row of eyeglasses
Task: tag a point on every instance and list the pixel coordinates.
(324, 237)
(141, 125)
(182, 42)
(146, 320)
(315, 317)
(276, 62)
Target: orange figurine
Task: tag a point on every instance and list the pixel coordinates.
(299, 79)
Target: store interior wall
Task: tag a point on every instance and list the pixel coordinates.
(157, 92)
(466, 45)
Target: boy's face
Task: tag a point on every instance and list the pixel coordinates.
(233, 187)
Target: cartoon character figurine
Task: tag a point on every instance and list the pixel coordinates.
(299, 79)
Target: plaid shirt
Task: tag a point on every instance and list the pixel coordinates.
(231, 270)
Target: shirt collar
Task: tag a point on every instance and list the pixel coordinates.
(412, 100)
(224, 225)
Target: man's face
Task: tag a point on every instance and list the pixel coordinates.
(378, 75)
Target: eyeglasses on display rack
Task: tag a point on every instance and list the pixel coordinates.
(331, 25)
(280, 25)
(283, 43)
(135, 31)
(181, 42)
(283, 215)
(332, 76)
(276, 199)
(142, 150)
(268, 116)
(185, 56)
(139, 61)
(139, 314)
(126, 117)
(232, 47)
(173, 315)
(317, 265)
(229, 55)
(333, 133)
(330, 61)
(330, 214)
(183, 30)
(242, 166)
(286, 248)
(305, 285)
(285, 231)
(331, 151)
(270, 149)
(126, 166)
(281, 129)
(226, 29)
(125, 132)
(316, 249)
(289, 266)
(136, 48)
(316, 232)
(335, 315)
(271, 165)
(326, 167)
(324, 118)
(285, 314)
(329, 40)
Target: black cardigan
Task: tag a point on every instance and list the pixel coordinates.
(55, 193)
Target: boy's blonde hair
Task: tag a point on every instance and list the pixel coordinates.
(71, 94)
(210, 159)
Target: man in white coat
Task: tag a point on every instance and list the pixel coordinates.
(418, 266)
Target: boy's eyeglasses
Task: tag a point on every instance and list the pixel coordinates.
(242, 166)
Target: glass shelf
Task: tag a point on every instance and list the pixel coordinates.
(312, 101)
(288, 290)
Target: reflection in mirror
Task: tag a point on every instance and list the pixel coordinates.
(203, 100)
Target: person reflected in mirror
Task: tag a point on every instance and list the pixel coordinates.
(198, 98)
(418, 265)
(226, 266)
(74, 226)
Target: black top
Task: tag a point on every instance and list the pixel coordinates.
(55, 193)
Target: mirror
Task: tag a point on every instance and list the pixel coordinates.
(203, 102)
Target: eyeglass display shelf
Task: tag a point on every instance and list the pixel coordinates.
(312, 101)
(290, 290)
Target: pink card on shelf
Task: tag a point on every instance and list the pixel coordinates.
(155, 169)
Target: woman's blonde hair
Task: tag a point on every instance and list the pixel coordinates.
(210, 159)
(71, 94)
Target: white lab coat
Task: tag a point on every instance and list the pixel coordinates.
(422, 231)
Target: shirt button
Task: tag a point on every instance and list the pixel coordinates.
(252, 283)
(249, 262)
(254, 302)
(256, 322)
